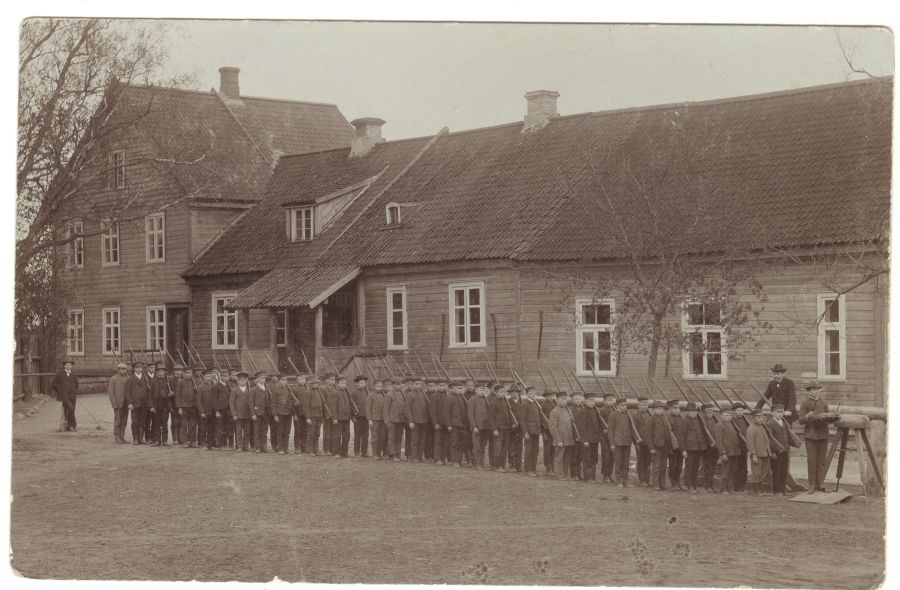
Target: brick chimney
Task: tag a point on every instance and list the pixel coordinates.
(368, 133)
(541, 108)
(228, 82)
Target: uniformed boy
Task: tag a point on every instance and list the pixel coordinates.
(576, 408)
(137, 397)
(174, 380)
(375, 415)
(501, 415)
(343, 413)
(394, 415)
(741, 419)
(159, 408)
(302, 392)
(440, 422)
(659, 443)
(241, 405)
(562, 431)
(778, 426)
(620, 439)
(360, 396)
(514, 454)
(815, 433)
(729, 447)
(314, 410)
(546, 404)
(531, 426)
(481, 420)
(260, 399)
(695, 443)
(282, 410)
(417, 415)
(678, 424)
(607, 458)
(329, 393)
(458, 423)
(115, 389)
(759, 450)
(644, 460)
(186, 402)
(224, 425)
(589, 432)
(710, 456)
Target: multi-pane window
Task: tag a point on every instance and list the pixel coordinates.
(75, 332)
(704, 354)
(156, 328)
(392, 214)
(225, 321)
(467, 314)
(75, 246)
(117, 169)
(396, 318)
(109, 243)
(832, 337)
(302, 222)
(281, 328)
(155, 226)
(111, 330)
(594, 337)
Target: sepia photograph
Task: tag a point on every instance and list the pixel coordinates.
(467, 303)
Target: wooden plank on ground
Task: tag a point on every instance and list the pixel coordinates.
(823, 498)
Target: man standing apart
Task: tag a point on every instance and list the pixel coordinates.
(65, 389)
(137, 396)
(116, 391)
(780, 390)
(816, 434)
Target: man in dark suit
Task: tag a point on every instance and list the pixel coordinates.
(137, 397)
(780, 391)
(65, 389)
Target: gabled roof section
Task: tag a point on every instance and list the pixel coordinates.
(812, 166)
(223, 150)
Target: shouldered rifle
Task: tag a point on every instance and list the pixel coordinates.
(709, 437)
(733, 425)
(439, 364)
(635, 435)
(469, 372)
(338, 374)
(424, 370)
(290, 391)
(321, 397)
(572, 418)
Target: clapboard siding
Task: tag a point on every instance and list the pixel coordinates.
(207, 223)
(201, 318)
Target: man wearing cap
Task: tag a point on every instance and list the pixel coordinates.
(659, 442)
(259, 397)
(173, 380)
(695, 443)
(530, 424)
(282, 411)
(224, 425)
(159, 407)
(620, 438)
(302, 392)
(576, 407)
(343, 411)
(186, 403)
(314, 410)
(641, 423)
(241, 405)
(710, 456)
(480, 414)
(328, 390)
(206, 407)
(759, 451)
(729, 447)
(678, 425)
(562, 431)
(815, 431)
(375, 416)
(115, 388)
(440, 421)
(501, 418)
(588, 433)
(778, 426)
(780, 390)
(607, 458)
(457, 422)
(137, 396)
(65, 389)
(546, 405)
(515, 433)
(360, 396)
(417, 414)
(395, 417)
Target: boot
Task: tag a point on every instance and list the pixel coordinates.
(751, 489)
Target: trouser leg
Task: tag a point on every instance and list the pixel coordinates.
(531, 451)
(360, 436)
(136, 424)
(312, 435)
(606, 457)
(691, 468)
(501, 448)
(589, 461)
(779, 472)
(575, 460)
(515, 449)
(622, 459)
(709, 467)
(676, 463)
(660, 460)
(243, 433)
(428, 442)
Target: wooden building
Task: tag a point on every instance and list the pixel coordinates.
(168, 171)
(489, 245)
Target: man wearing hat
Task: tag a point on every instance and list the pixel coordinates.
(642, 423)
(589, 429)
(562, 431)
(546, 406)
(302, 390)
(241, 405)
(174, 380)
(115, 388)
(360, 396)
(65, 389)
(620, 439)
(481, 420)
(607, 460)
(159, 407)
(137, 396)
(678, 425)
(815, 431)
(659, 442)
(186, 405)
(375, 415)
(780, 390)
(206, 407)
(457, 423)
(531, 425)
(778, 427)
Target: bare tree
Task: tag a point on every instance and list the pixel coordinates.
(655, 204)
(71, 73)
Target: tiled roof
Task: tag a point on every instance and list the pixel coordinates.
(222, 151)
(794, 168)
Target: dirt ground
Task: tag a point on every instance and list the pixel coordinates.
(86, 508)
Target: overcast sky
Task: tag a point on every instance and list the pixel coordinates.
(420, 77)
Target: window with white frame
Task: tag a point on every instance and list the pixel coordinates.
(302, 223)
(704, 354)
(467, 314)
(75, 332)
(75, 246)
(396, 318)
(832, 337)
(109, 243)
(224, 321)
(117, 169)
(155, 226)
(156, 328)
(281, 328)
(594, 336)
(111, 331)
(392, 214)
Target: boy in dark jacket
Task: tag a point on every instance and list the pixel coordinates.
(282, 410)
(815, 431)
(137, 397)
(530, 423)
(501, 414)
(659, 443)
(620, 439)
(778, 426)
(729, 446)
(695, 444)
(760, 452)
(417, 414)
(241, 405)
(589, 432)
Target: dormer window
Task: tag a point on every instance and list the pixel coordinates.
(301, 223)
(392, 214)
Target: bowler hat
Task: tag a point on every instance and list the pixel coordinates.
(779, 368)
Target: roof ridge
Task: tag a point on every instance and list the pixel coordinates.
(290, 101)
(213, 92)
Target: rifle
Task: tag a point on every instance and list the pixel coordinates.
(709, 437)
(437, 362)
(574, 426)
(490, 368)
(338, 373)
(469, 372)
(635, 435)
(290, 391)
(424, 370)
(733, 425)
(558, 388)
(387, 368)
